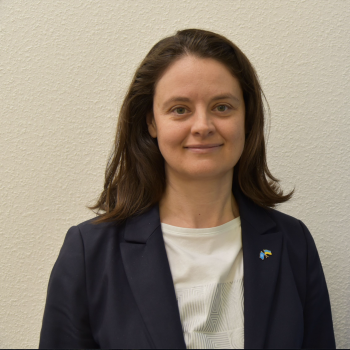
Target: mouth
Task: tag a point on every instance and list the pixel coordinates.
(204, 147)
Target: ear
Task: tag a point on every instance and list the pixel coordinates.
(151, 124)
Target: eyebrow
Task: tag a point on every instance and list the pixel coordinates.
(215, 98)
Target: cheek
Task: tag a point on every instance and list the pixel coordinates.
(236, 138)
(170, 138)
(234, 132)
(239, 136)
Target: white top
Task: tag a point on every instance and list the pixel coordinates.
(207, 269)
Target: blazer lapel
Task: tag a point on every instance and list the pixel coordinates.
(259, 232)
(148, 272)
(149, 275)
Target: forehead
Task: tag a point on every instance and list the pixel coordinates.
(197, 77)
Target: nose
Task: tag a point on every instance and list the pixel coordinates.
(202, 123)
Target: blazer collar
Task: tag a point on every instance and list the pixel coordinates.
(149, 275)
(139, 228)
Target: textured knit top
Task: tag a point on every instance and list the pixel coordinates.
(207, 269)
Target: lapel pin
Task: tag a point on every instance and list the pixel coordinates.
(265, 254)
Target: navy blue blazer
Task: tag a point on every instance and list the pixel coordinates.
(111, 286)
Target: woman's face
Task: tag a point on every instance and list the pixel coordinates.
(188, 110)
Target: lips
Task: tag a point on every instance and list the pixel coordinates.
(204, 150)
(201, 146)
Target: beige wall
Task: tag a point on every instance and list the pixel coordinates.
(64, 68)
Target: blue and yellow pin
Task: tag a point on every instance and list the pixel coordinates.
(265, 254)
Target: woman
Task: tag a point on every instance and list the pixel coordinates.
(189, 251)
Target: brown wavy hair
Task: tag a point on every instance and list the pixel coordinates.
(135, 174)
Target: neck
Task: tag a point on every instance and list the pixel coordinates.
(198, 203)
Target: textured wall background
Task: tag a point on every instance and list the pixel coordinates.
(65, 66)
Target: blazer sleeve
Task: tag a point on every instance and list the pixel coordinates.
(318, 323)
(65, 321)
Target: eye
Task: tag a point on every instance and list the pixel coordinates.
(183, 108)
(223, 106)
(178, 108)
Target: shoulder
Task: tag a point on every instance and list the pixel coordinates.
(97, 236)
(284, 221)
(92, 247)
(89, 226)
(294, 230)
(287, 223)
